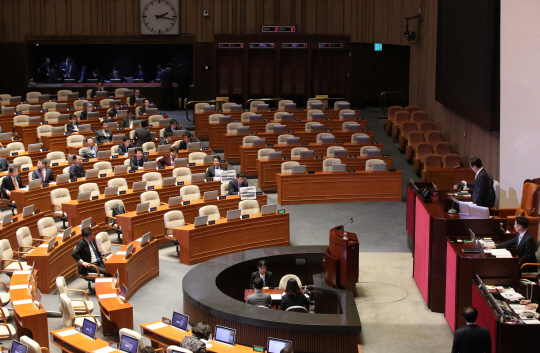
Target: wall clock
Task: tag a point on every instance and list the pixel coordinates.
(160, 17)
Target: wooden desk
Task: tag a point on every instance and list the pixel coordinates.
(267, 169)
(207, 242)
(461, 268)
(139, 268)
(249, 154)
(56, 263)
(9, 231)
(33, 155)
(328, 187)
(134, 226)
(233, 141)
(29, 320)
(445, 178)
(76, 343)
(114, 313)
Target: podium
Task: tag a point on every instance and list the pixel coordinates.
(341, 260)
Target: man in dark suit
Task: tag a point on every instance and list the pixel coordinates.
(114, 111)
(524, 242)
(83, 75)
(104, 135)
(166, 87)
(86, 253)
(43, 173)
(125, 146)
(266, 276)
(142, 109)
(481, 184)
(235, 185)
(211, 171)
(173, 125)
(142, 134)
(169, 160)
(138, 160)
(167, 139)
(73, 124)
(471, 338)
(64, 66)
(129, 119)
(44, 69)
(133, 98)
(4, 164)
(185, 140)
(89, 109)
(99, 86)
(11, 182)
(89, 151)
(259, 297)
(76, 170)
(139, 74)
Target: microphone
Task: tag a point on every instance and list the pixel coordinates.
(349, 221)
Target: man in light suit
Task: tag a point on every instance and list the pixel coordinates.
(11, 182)
(90, 151)
(211, 171)
(481, 184)
(104, 135)
(259, 297)
(471, 338)
(43, 173)
(235, 185)
(86, 253)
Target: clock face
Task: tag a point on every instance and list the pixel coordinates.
(159, 17)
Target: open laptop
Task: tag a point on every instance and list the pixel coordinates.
(275, 345)
(92, 173)
(362, 139)
(334, 168)
(328, 140)
(164, 122)
(84, 196)
(208, 159)
(62, 178)
(293, 140)
(164, 148)
(348, 116)
(4, 152)
(120, 169)
(298, 169)
(268, 209)
(92, 115)
(142, 207)
(34, 184)
(175, 200)
(150, 165)
(118, 138)
(353, 127)
(50, 245)
(259, 142)
(151, 111)
(180, 162)
(85, 128)
(193, 146)
(18, 347)
(123, 289)
(103, 154)
(180, 321)
(66, 234)
(233, 214)
(473, 241)
(195, 178)
(111, 190)
(200, 221)
(341, 153)
(275, 155)
(225, 335)
(145, 238)
(139, 185)
(34, 120)
(132, 151)
(169, 181)
(28, 211)
(128, 344)
(279, 128)
(86, 223)
(374, 152)
(100, 94)
(478, 211)
(378, 167)
(129, 249)
(34, 147)
(62, 118)
(57, 130)
(89, 329)
(210, 195)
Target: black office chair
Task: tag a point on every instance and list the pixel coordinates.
(89, 277)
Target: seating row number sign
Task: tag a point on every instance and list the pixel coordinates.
(278, 28)
(231, 45)
(330, 45)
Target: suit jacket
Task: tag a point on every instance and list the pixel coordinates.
(143, 109)
(4, 163)
(112, 112)
(259, 298)
(94, 89)
(167, 161)
(139, 76)
(70, 127)
(182, 145)
(299, 300)
(169, 129)
(84, 114)
(233, 187)
(211, 171)
(133, 98)
(526, 248)
(86, 153)
(82, 252)
(142, 135)
(166, 78)
(134, 163)
(82, 76)
(164, 142)
(481, 189)
(7, 184)
(472, 339)
(122, 149)
(268, 279)
(125, 121)
(36, 174)
(101, 137)
(76, 171)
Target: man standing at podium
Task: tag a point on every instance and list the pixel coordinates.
(266, 276)
(481, 184)
(471, 338)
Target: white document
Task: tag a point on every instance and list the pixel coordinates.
(105, 296)
(512, 296)
(120, 253)
(19, 286)
(21, 302)
(228, 175)
(46, 245)
(518, 308)
(68, 333)
(105, 350)
(107, 279)
(276, 296)
(27, 272)
(532, 322)
(156, 326)
(248, 193)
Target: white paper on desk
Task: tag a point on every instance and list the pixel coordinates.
(67, 333)
(46, 245)
(27, 272)
(108, 279)
(21, 302)
(512, 296)
(139, 239)
(105, 296)
(276, 296)
(156, 326)
(29, 251)
(105, 350)
(18, 286)
(531, 322)
(120, 253)
(208, 345)
(503, 256)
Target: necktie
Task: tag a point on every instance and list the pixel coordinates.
(93, 152)
(96, 254)
(15, 183)
(138, 162)
(43, 174)
(519, 240)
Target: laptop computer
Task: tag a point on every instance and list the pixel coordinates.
(121, 114)
(129, 249)
(150, 165)
(225, 335)
(145, 238)
(353, 127)
(178, 133)
(180, 162)
(233, 214)
(139, 185)
(196, 178)
(128, 344)
(18, 347)
(15, 100)
(275, 345)
(132, 151)
(328, 139)
(258, 142)
(152, 111)
(66, 234)
(298, 169)
(478, 211)
(279, 128)
(338, 168)
(255, 117)
(169, 181)
(262, 107)
(28, 211)
(268, 209)
(37, 299)
(84, 196)
(57, 130)
(86, 222)
(316, 106)
(34, 147)
(200, 221)
(50, 245)
(92, 115)
(89, 329)
(287, 117)
(142, 207)
(175, 200)
(8, 110)
(362, 139)
(193, 146)
(104, 154)
(34, 108)
(341, 153)
(209, 108)
(113, 126)
(111, 190)
(118, 138)
(210, 195)
(235, 107)
(293, 140)
(34, 184)
(317, 127)
(373, 152)
(34, 120)
(275, 155)
(348, 116)
(120, 169)
(5, 152)
(6, 136)
(378, 167)
(92, 173)
(225, 119)
(164, 122)
(242, 130)
(164, 148)
(85, 128)
(63, 118)
(180, 321)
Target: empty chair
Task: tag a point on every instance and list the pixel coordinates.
(44, 130)
(211, 211)
(310, 102)
(277, 116)
(270, 126)
(214, 118)
(15, 147)
(284, 279)
(173, 219)
(363, 150)
(47, 227)
(114, 150)
(406, 129)
(345, 125)
(8, 262)
(63, 94)
(190, 192)
(5, 97)
(26, 242)
(309, 124)
(120, 182)
(253, 105)
(311, 112)
(119, 92)
(104, 167)
(149, 147)
(20, 120)
(70, 317)
(421, 151)
(57, 197)
(110, 220)
(451, 160)
(336, 104)
(401, 118)
(182, 174)
(48, 106)
(79, 305)
(418, 116)
(104, 243)
(51, 117)
(249, 207)
(327, 163)
(33, 346)
(26, 162)
(321, 135)
(154, 119)
(247, 140)
(153, 178)
(330, 150)
(263, 153)
(297, 309)
(56, 157)
(432, 161)
(196, 157)
(105, 102)
(369, 163)
(442, 148)
(426, 126)
(226, 107)
(24, 107)
(33, 96)
(199, 107)
(152, 197)
(282, 139)
(412, 108)
(224, 189)
(353, 136)
(281, 103)
(433, 136)
(342, 111)
(286, 167)
(79, 104)
(414, 139)
(232, 128)
(245, 116)
(92, 187)
(295, 152)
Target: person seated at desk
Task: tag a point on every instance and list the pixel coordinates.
(471, 338)
(86, 253)
(481, 185)
(142, 134)
(194, 342)
(104, 135)
(211, 171)
(287, 350)
(266, 276)
(524, 242)
(76, 170)
(11, 182)
(138, 160)
(129, 119)
(259, 297)
(169, 160)
(142, 109)
(293, 296)
(89, 109)
(99, 84)
(139, 74)
(90, 151)
(73, 125)
(530, 305)
(133, 98)
(116, 76)
(114, 111)
(43, 173)
(4, 164)
(173, 125)
(167, 140)
(235, 185)
(125, 146)
(186, 138)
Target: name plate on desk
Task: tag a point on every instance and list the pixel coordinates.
(375, 142)
(386, 156)
(270, 145)
(95, 198)
(15, 154)
(258, 193)
(45, 185)
(14, 219)
(45, 110)
(160, 168)
(16, 139)
(287, 158)
(153, 209)
(98, 107)
(121, 128)
(222, 197)
(114, 156)
(124, 105)
(328, 130)
(149, 126)
(281, 211)
(211, 222)
(304, 143)
(146, 153)
(266, 120)
(26, 169)
(351, 171)
(352, 156)
(186, 203)
(122, 192)
(73, 180)
(179, 183)
(93, 224)
(42, 150)
(340, 143)
(67, 133)
(191, 164)
(254, 132)
(102, 175)
(132, 170)
(71, 108)
(223, 161)
(55, 164)
(290, 131)
(44, 122)
(100, 143)
(318, 157)
(18, 112)
(391, 170)
(245, 216)
(311, 172)
(210, 179)
(151, 188)
(94, 130)
(72, 234)
(205, 148)
(328, 119)
(84, 160)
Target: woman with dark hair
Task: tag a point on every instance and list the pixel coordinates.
(293, 296)
(193, 342)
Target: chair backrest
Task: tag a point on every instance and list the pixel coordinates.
(211, 211)
(79, 104)
(253, 105)
(133, 334)
(433, 136)
(353, 136)
(109, 205)
(120, 182)
(226, 107)
(30, 96)
(61, 285)
(15, 147)
(190, 192)
(174, 219)
(56, 157)
(336, 104)
(224, 188)
(443, 148)
(152, 197)
(263, 153)
(432, 161)
(214, 118)
(105, 103)
(330, 150)
(67, 310)
(119, 92)
(422, 149)
(415, 138)
(311, 112)
(26, 162)
(33, 346)
(295, 152)
(327, 163)
(153, 178)
(63, 93)
(401, 117)
(199, 107)
(247, 140)
(363, 149)
(114, 150)
(270, 126)
(20, 120)
(5, 97)
(369, 163)
(60, 195)
(309, 102)
(149, 147)
(44, 130)
(182, 174)
(342, 111)
(6, 253)
(104, 167)
(321, 135)
(51, 117)
(245, 116)
(309, 124)
(249, 207)
(49, 106)
(412, 108)
(530, 199)
(281, 103)
(24, 107)
(196, 157)
(451, 160)
(392, 112)
(297, 309)
(419, 116)
(154, 119)
(284, 279)
(92, 187)
(24, 236)
(232, 127)
(426, 126)
(103, 242)
(282, 139)
(75, 140)
(286, 167)
(407, 128)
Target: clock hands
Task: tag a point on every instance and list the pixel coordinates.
(163, 16)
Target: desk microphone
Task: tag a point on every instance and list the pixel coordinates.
(349, 221)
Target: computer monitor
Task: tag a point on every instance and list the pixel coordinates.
(139, 185)
(169, 181)
(337, 168)
(6, 219)
(275, 155)
(200, 221)
(123, 291)
(145, 238)
(233, 214)
(89, 328)
(378, 167)
(316, 106)
(193, 146)
(86, 222)
(37, 299)
(354, 127)
(341, 153)
(298, 169)
(175, 200)
(34, 147)
(150, 165)
(84, 196)
(279, 128)
(196, 178)
(275, 345)
(180, 162)
(373, 152)
(163, 148)
(307, 154)
(34, 184)
(348, 116)
(255, 117)
(103, 154)
(66, 234)
(28, 211)
(92, 115)
(142, 207)
(362, 139)
(120, 169)
(180, 321)
(210, 195)
(18, 347)
(111, 190)
(268, 209)
(258, 142)
(473, 236)
(128, 344)
(50, 245)
(225, 335)
(328, 139)
(293, 140)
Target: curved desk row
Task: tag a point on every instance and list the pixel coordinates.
(9, 231)
(115, 314)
